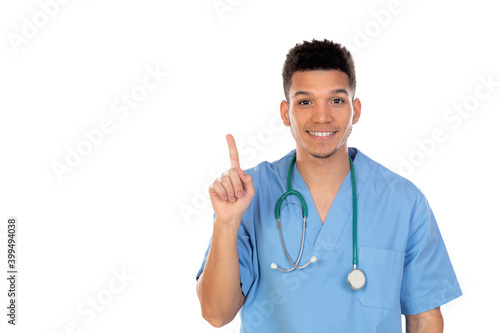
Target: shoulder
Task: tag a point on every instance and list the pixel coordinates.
(383, 181)
(267, 172)
(269, 181)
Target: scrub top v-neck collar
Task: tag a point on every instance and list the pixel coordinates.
(325, 236)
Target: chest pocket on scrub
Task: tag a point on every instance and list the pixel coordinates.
(384, 274)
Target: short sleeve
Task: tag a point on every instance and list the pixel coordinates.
(429, 280)
(245, 255)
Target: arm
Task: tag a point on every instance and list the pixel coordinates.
(218, 287)
(425, 322)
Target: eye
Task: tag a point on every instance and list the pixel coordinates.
(338, 101)
(305, 102)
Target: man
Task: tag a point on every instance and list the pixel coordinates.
(396, 244)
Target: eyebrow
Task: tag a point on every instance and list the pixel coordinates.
(332, 92)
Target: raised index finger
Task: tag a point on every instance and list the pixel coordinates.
(233, 152)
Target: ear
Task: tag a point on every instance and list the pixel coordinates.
(356, 105)
(284, 113)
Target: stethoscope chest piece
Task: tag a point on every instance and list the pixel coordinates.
(356, 279)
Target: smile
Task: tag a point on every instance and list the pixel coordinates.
(321, 134)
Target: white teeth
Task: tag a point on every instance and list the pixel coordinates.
(321, 133)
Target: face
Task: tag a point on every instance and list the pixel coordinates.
(321, 111)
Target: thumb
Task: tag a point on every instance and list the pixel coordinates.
(245, 178)
(247, 182)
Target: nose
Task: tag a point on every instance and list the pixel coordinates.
(322, 113)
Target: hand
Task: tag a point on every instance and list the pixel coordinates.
(233, 191)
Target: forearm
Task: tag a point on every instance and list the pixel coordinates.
(218, 287)
(427, 322)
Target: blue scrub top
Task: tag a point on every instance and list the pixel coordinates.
(400, 249)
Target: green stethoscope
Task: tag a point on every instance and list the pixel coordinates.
(356, 277)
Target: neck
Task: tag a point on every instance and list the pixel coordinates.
(323, 173)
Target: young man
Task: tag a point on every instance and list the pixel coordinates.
(359, 215)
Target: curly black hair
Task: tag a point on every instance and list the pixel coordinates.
(323, 55)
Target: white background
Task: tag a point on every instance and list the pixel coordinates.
(136, 202)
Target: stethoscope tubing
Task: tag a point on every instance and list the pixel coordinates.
(356, 277)
(354, 216)
(289, 191)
